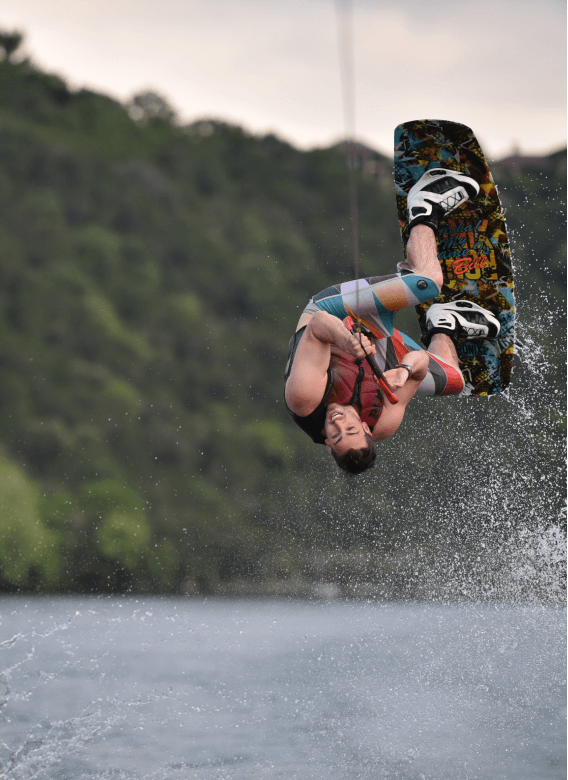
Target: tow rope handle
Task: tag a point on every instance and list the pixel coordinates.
(357, 327)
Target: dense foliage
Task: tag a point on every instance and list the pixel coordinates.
(150, 278)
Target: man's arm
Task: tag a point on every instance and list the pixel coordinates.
(307, 381)
(405, 384)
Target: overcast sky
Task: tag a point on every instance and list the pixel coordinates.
(273, 65)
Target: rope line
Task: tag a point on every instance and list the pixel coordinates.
(344, 17)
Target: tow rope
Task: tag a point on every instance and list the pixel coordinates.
(355, 326)
(344, 15)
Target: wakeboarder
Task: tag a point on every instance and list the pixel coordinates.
(346, 355)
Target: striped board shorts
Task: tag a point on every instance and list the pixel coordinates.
(374, 301)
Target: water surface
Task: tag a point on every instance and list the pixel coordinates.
(156, 688)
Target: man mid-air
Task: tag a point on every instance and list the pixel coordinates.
(331, 391)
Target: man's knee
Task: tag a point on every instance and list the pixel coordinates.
(424, 287)
(437, 276)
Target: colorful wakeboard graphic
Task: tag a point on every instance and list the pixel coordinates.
(472, 243)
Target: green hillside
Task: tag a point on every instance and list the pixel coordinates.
(150, 278)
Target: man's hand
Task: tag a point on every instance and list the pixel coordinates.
(418, 362)
(355, 343)
(397, 377)
(331, 330)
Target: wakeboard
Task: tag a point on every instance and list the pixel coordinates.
(473, 248)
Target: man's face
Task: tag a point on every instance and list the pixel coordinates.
(344, 430)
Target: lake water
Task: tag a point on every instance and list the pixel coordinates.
(155, 688)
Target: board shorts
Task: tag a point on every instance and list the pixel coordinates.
(374, 301)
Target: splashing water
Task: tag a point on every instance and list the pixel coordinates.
(467, 500)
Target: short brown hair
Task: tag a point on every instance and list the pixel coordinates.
(356, 461)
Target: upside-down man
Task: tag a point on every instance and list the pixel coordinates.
(331, 391)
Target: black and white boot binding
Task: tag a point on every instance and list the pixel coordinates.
(438, 192)
(460, 320)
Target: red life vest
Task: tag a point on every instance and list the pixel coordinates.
(348, 383)
(353, 383)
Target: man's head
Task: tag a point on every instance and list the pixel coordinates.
(348, 439)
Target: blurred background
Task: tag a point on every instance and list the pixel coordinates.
(273, 66)
(173, 188)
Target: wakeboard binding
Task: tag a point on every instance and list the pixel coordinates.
(436, 194)
(460, 320)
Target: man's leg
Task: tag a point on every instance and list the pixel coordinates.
(423, 259)
(423, 254)
(443, 347)
(444, 376)
(376, 299)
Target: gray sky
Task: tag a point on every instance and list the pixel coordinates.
(273, 65)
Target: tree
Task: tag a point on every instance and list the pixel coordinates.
(147, 106)
(10, 41)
